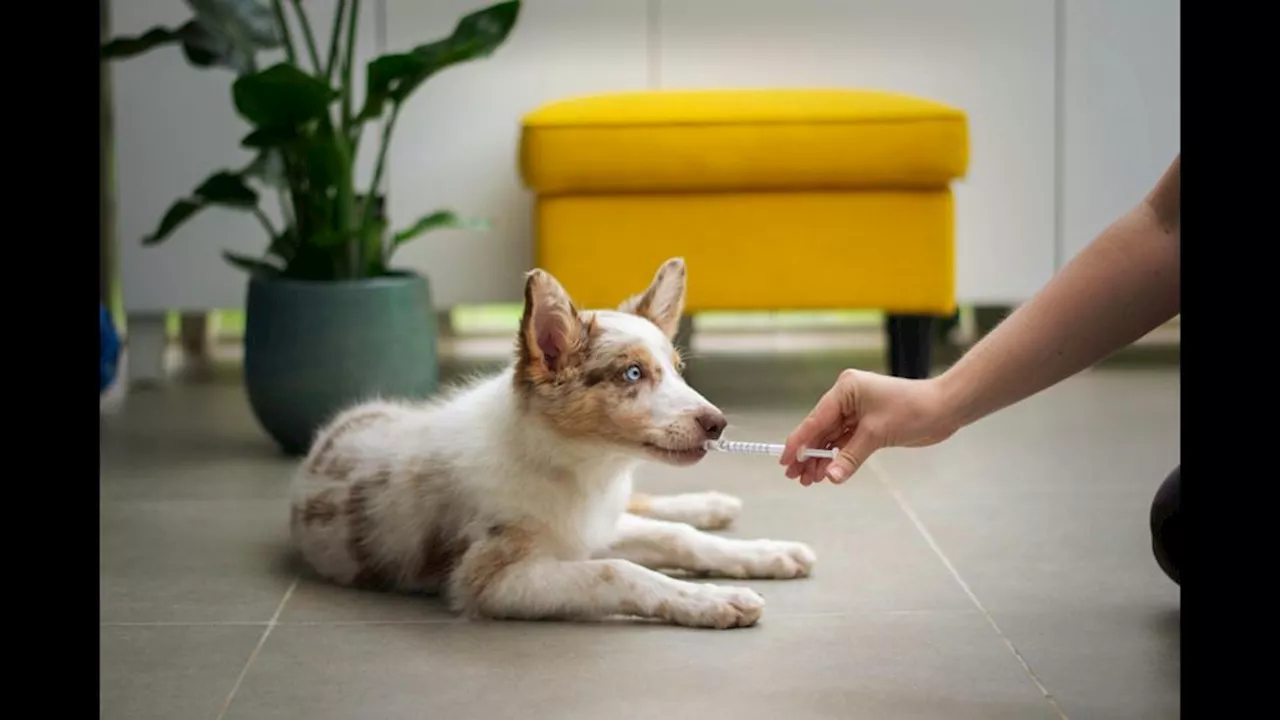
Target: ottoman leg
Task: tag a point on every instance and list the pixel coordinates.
(910, 342)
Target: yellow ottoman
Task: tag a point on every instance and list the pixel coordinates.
(777, 199)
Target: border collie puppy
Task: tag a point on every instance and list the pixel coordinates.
(513, 495)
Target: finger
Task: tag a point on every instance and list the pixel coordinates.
(852, 456)
(817, 470)
(833, 438)
(821, 420)
(813, 470)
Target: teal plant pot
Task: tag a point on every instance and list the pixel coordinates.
(312, 349)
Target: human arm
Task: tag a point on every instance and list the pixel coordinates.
(1124, 284)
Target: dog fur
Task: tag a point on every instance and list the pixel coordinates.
(513, 495)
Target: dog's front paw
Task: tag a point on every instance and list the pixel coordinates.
(715, 606)
(768, 559)
(703, 510)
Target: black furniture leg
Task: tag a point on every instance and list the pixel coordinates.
(910, 345)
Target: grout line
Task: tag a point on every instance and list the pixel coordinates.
(883, 477)
(344, 623)
(257, 648)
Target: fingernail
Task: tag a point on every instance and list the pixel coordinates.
(835, 475)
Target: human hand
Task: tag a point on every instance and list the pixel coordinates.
(864, 412)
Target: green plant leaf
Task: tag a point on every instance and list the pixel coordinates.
(250, 265)
(235, 31)
(177, 214)
(202, 47)
(269, 137)
(383, 75)
(224, 33)
(268, 167)
(206, 48)
(129, 46)
(439, 220)
(394, 77)
(227, 188)
(284, 246)
(282, 96)
(221, 188)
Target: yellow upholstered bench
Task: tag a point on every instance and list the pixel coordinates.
(777, 199)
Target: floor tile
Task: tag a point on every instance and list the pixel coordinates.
(1049, 504)
(189, 442)
(318, 601)
(900, 665)
(192, 561)
(171, 671)
(1102, 430)
(870, 556)
(1111, 660)
(1041, 509)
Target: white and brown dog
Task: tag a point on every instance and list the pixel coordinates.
(513, 495)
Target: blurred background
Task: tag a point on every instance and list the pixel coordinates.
(1072, 107)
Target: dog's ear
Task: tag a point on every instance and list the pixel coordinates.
(663, 303)
(551, 332)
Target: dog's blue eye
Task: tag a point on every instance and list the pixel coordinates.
(632, 373)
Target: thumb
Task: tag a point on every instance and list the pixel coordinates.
(851, 457)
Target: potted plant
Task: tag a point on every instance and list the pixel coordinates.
(328, 320)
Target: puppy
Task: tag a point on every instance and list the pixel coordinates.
(513, 495)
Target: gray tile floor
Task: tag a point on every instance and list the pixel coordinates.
(1004, 574)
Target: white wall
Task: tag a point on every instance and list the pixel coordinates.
(1093, 82)
(1122, 104)
(456, 141)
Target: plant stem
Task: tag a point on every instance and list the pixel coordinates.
(284, 32)
(334, 35)
(348, 59)
(380, 166)
(307, 35)
(346, 184)
(266, 222)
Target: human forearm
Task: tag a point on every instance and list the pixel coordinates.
(1122, 286)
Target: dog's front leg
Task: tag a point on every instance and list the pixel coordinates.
(664, 545)
(500, 577)
(703, 510)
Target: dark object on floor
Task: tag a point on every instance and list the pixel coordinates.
(1166, 527)
(108, 349)
(910, 344)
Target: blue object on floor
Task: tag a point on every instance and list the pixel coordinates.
(109, 355)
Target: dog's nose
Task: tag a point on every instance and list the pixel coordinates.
(712, 423)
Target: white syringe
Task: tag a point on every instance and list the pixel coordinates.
(759, 448)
